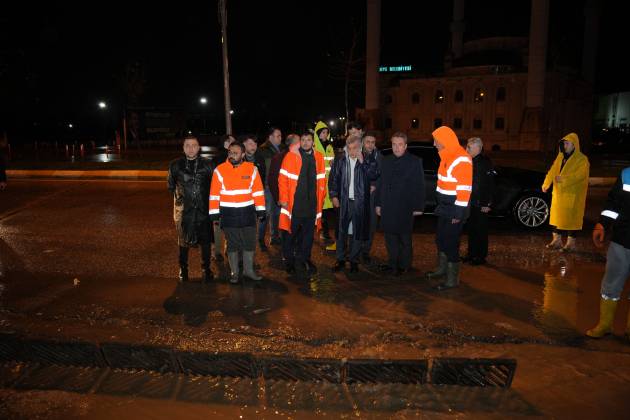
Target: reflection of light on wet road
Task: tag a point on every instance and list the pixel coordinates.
(559, 313)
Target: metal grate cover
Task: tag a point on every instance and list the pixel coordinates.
(236, 365)
(126, 356)
(316, 370)
(473, 372)
(386, 371)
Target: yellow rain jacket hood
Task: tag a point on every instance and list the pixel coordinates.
(568, 197)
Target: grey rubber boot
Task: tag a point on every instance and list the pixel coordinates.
(233, 260)
(440, 270)
(248, 266)
(452, 276)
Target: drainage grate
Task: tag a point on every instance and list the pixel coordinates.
(65, 378)
(316, 370)
(444, 371)
(473, 372)
(125, 356)
(387, 371)
(11, 348)
(61, 353)
(236, 365)
(140, 383)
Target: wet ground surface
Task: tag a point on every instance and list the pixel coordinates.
(96, 261)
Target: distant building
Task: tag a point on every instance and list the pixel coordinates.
(499, 89)
(613, 111)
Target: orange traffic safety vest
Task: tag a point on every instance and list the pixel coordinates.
(288, 182)
(236, 192)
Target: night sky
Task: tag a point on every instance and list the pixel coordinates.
(57, 61)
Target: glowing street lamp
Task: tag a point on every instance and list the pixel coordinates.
(102, 105)
(331, 123)
(203, 100)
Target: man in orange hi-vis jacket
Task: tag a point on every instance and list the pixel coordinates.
(237, 197)
(302, 188)
(454, 186)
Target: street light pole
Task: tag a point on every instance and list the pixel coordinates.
(226, 73)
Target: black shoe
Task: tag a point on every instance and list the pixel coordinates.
(385, 268)
(218, 257)
(262, 245)
(477, 261)
(310, 267)
(275, 241)
(289, 268)
(466, 258)
(444, 286)
(366, 259)
(354, 267)
(339, 265)
(206, 275)
(183, 274)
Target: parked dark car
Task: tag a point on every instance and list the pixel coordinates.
(517, 192)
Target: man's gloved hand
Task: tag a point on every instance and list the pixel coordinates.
(214, 217)
(262, 216)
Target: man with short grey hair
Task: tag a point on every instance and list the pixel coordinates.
(480, 203)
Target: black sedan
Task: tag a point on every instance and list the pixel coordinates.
(517, 192)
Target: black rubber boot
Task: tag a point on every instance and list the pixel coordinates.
(440, 270)
(452, 277)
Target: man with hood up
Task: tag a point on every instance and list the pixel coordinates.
(324, 145)
(454, 187)
(569, 177)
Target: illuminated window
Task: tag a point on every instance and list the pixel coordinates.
(479, 94)
(415, 123)
(501, 94)
(439, 96)
(457, 123)
(459, 95)
(437, 122)
(499, 123)
(415, 98)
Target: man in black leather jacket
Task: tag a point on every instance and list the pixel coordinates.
(189, 181)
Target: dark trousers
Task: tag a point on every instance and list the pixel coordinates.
(347, 242)
(367, 245)
(299, 242)
(273, 214)
(448, 237)
(205, 256)
(399, 250)
(477, 227)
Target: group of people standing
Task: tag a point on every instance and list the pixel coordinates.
(300, 187)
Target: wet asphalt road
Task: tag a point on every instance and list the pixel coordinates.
(97, 261)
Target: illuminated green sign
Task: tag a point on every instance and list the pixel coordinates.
(393, 69)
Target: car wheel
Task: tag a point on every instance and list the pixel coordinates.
(531, 211)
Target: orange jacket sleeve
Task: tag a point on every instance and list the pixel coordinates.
(258, 193)
(215, 193)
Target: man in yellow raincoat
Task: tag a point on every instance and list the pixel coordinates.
(569, 177)
(324, 145)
